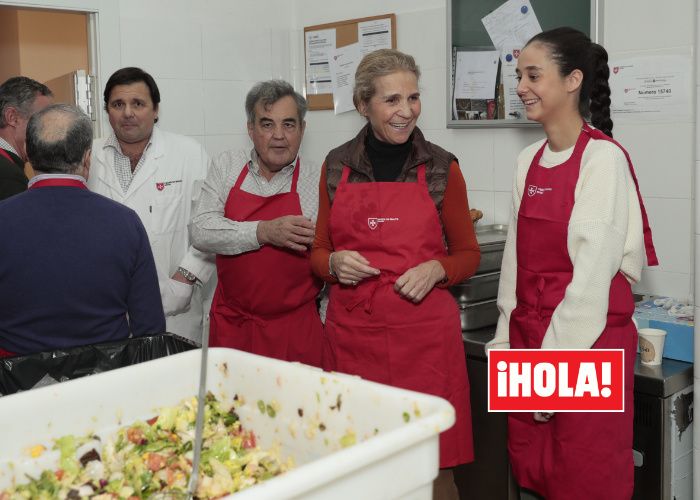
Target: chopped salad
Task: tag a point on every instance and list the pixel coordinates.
(153, 459)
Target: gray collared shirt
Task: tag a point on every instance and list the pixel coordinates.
(6, 146)
(211, 231)
(122, 164)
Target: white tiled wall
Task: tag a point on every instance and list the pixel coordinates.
(663, 153)
(205, 56)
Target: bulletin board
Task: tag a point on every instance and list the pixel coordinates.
(346, 33)
(467, 33)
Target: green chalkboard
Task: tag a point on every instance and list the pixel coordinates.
(468, 31)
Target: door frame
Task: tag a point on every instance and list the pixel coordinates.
(104, 51)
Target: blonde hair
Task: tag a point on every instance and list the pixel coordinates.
(376, 64)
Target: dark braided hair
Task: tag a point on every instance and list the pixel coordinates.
(571, 49)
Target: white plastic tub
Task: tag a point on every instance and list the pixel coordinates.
(393, 458)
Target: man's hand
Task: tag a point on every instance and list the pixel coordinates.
(350, 267)
(295, 232)
(415, 283)
(176, 295)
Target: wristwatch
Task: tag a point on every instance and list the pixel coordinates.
(188, 275)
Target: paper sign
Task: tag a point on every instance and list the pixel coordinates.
(515, 20)
(651, 87)
(374, 35)
(343, 64)
(475, 74)
(319, 46)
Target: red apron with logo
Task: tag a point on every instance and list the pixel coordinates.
(265, 300)
(375, 333)
(581, 455)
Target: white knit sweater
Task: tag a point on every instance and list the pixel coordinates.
(605, 236)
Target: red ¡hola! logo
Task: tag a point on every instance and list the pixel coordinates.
(525, 380)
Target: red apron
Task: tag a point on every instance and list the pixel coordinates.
(39, 184)
(265, 301)
(574, 455)
(375, 333)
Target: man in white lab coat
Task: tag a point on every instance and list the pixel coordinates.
(159, 175)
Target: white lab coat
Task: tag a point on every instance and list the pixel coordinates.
(163, 193)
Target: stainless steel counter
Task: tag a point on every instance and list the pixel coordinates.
(662, 381)
(488, 476)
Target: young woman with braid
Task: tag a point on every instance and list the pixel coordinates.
(577, 240)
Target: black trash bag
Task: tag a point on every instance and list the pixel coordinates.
(21, 373)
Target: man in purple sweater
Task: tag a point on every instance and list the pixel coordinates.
(75, 267)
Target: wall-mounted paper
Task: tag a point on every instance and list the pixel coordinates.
(651, 87)
(513, 107)
(319, 46)
(343, 64)
(475, 74)
(514, 21)
(374, 35)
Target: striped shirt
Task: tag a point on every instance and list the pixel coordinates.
(6, 146)
(122, 164)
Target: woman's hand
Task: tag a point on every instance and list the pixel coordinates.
(543, 416)
(415, 283)
(350, 267)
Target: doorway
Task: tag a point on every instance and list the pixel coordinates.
(52, 47)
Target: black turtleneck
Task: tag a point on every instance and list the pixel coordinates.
(387, 159)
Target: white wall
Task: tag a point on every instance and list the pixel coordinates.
(663, 153)
(205, 56)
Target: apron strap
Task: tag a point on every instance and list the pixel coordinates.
(652, 259)
(241, 177)
(295, 178)
(421, 175)
(246, 167)
(368, 288)
(344, 176)
(6, 155)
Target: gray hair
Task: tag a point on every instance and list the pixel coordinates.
(375, 65)
(268, 93)
(58, 138)
(19, 92)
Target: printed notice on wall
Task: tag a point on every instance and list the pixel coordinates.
(319, 47)
(513, 105)
(651, 87)
(343, 65)
(513, 22)
(374, 35)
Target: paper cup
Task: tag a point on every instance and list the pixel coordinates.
(651, 345)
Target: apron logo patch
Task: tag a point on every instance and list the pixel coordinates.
(546, 380)
(162, 185)
(373, 222)
(532, 190)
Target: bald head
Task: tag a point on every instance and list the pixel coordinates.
(59, 139)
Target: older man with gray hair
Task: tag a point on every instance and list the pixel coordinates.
(76, 267)
(20, 98)
(257, 212)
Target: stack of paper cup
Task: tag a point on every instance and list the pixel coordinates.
(651, 345)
